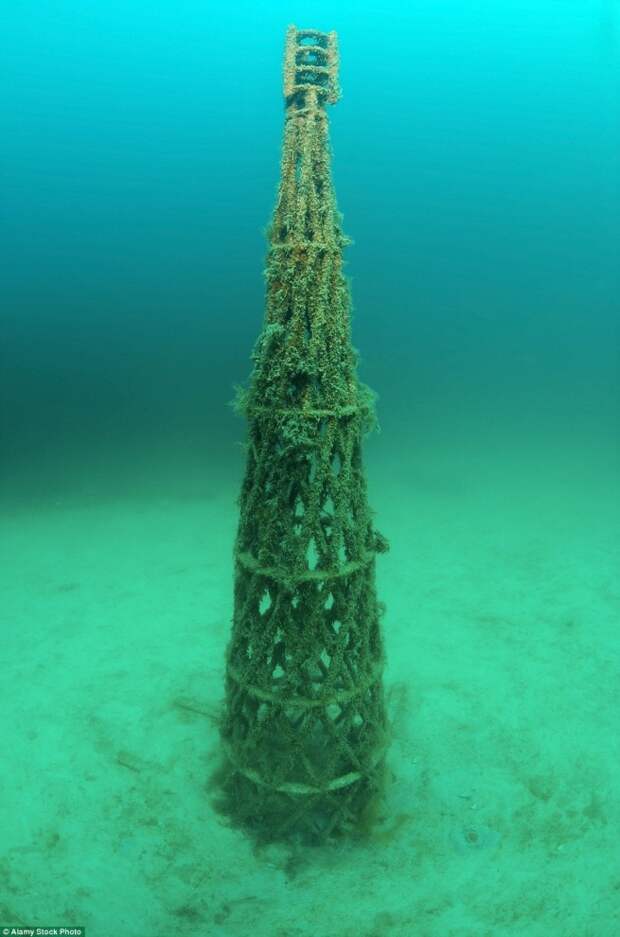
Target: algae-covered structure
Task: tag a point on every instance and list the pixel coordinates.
(304, 730)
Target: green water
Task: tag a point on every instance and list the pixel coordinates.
(476, 164)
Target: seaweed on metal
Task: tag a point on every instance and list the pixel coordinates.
(304, 730)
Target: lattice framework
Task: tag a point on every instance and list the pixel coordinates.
(304, 729)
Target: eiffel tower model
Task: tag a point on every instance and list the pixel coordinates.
(304, 730)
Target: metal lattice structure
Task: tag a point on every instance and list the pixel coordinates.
(304, 727)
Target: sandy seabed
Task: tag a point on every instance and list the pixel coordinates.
(503, 661)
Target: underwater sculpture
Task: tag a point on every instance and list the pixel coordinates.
(304, 730)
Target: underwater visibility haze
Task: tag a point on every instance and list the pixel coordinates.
(474, 154)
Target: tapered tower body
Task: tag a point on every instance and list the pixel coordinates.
(304, 729)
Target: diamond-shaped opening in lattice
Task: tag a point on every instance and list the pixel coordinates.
(334, 711)
(315, 674)
(336, 625)
(357, 721)
(290, 713)
(328, 506)
(336, 463)
(278, 672)
(325, 657)
(262, 712)
(342, 554)
(312, 555)
(265, 602)
(295, 601)
(329, 602)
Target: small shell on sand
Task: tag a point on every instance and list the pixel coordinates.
(466, 839)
